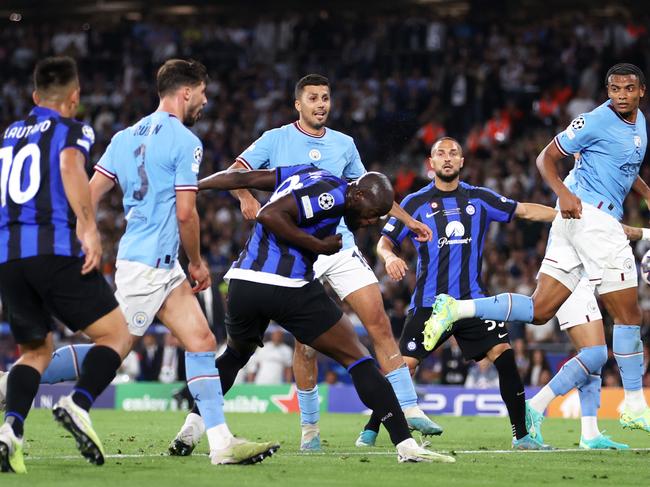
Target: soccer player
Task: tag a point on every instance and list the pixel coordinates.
(273, 279)
(460, 215)
(586, 239)
(156, 162)
(46, 268)
(308, 141)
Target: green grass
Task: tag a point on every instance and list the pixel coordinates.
(52, 458)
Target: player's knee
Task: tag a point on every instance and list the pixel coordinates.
(593, 358)
(201, 341)
(630, 315)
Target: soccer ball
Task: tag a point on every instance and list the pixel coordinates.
(645, 267)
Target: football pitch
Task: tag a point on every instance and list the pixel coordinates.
(136, 446)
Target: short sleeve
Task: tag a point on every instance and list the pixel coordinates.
(258, 154)
(578, 135)
(319, 201)
(499, 208)
(106, 164)
(395, 230)
(81, 137)
(188, 162)
(354, 168)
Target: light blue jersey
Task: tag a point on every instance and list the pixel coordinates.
(610, 150)
(151, 160)
(290, 145)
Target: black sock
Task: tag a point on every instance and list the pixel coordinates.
(97, 372)
(229, 363)
(373, 423)
(512, 392)
(22, 385)
(377, 394)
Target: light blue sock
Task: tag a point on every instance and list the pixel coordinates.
(309, 406)
(205, 386)
(66, 364)
(505, 307)
(628, 351)
(572, 374)
(576, 372)
(402, 383)
(589, 393)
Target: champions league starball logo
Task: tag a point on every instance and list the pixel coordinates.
(578, 123)
(326, 201)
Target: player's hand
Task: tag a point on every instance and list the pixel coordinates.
(570, 205)
(249, 206)
(422, 230)
(396, 268)
(633, 233)
(330, 244)
(92, 246)
(200, 274)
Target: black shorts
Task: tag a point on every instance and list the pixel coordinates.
(306, 312)
(36, 288)
(475, 336)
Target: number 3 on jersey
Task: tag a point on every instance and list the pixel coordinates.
(11, 174)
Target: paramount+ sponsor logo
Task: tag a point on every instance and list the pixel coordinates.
(455, 235)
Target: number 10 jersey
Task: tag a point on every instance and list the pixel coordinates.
(35, 217)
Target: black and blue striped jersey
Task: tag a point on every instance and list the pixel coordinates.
(35, 217)
(267, 258)
(451, 263)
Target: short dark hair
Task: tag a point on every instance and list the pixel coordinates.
(460, 147)
(626, 68)
(310, 80)
(54, 72)
(180, 72)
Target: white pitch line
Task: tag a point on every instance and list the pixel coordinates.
(340, 454)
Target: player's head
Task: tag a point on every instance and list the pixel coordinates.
(625, 87)
(367, 199)
(446, 159)
(56, 84)
(313, 100)
(185, 82)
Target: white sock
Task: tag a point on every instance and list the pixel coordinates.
(409, 442)
(193, 418)
(466, 309)
(589, 427)
(219, 436)
(635, 401)
(413, 412)
(542, 399)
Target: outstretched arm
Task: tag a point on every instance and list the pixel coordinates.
(535, 212)
(395, 267)
(570, 204)
(423, 232)
(247, 202)
(280, 216)
(263, 179)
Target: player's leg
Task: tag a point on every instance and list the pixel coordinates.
(341, 343)
(305, 372)
(560, 273)
(413, 352)
(182, 314)
(354, 281)
(623, 306)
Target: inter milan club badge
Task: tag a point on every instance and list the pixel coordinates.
(470, 210)
(434, 205)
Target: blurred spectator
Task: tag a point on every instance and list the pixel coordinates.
(271, 364)
(150, 353)
(540, 372)
(452, 367)
(482, 375)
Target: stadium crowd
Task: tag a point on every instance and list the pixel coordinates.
(399, 81)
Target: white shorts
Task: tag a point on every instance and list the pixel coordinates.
(346, 271)
(594, 246)
(580, 308)
(142, 290)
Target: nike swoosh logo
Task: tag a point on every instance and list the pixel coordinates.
(429, 215)
(521, 393)
(501, 336)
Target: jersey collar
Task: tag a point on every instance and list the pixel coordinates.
(300, 129)
(620, 117)
(44, 112)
